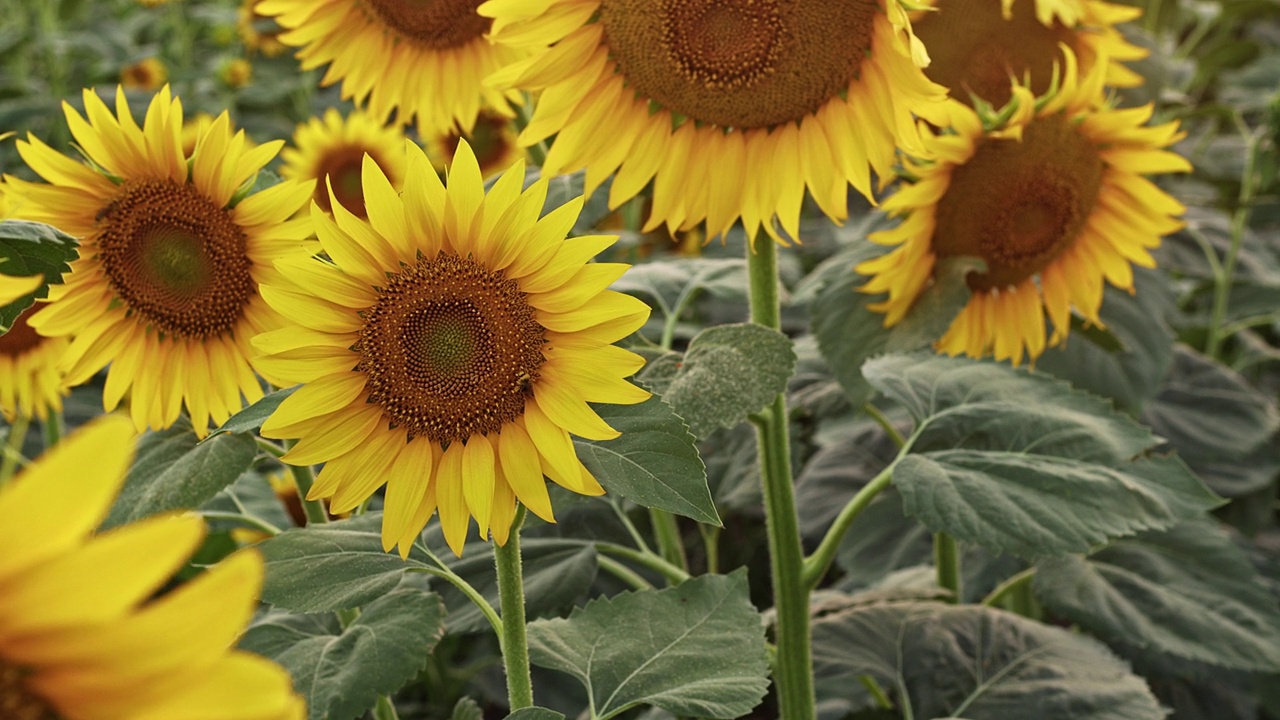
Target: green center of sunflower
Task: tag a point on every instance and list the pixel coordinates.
(1018, 205)
(175, 258)
(451, 349)
(433, 24)
(488, 140)
(343, 166)
(18, 703)
(20, 339)
(975, 50)
(739, 63)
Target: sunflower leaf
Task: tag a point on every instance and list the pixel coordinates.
(29, 248)
(1188, 592)
(654, 463)
(535, 713)
(250, 419)
(647, 647)
(977, 662)
(341, 671)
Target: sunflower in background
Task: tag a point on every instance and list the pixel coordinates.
(493, 140)
(731, 108)
(448, 350)
(81, 637)
(334, 147)
(165, 290)
(979, 46)
(423, 61)
(258, 32)
(148, 75)
(1053, 200)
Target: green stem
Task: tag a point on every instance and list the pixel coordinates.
(667, 533)
(53, 427)
(443, 572)
(625, 519)
(884, 423)
(1007, 587)
(304, 477)
(793, 672)
(623, 573)
(1239, 221)
(877, 692)
(946, 557)
(384, 710)
(817, 564)
(515, 644)
(256, 523)
(711, 546)
(13, 448)
(674, 574)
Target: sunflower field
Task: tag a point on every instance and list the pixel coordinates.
(641, 359)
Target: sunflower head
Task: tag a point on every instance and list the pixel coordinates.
(331, 150)
(493, 140)
(235, 73)
(1050, 194)
(258, 32)
(31, 385)
(449, 345)
(147, 75)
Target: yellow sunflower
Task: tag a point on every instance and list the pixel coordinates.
(978, 45)
(258, 32)
(1053, 200)
(148, 75)
(731, 108)
(82, 635)
(493, 140)
(448, 349)
(416, 59)
(335, 148)
(30, 384)
(166, 286)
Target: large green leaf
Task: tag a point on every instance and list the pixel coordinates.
(172, 471)
(1188, 591)
(654, 462)
(1033, 506)
(672, 284)
(729, 372)
(696, 649)
(978, 663)
(341, 671)
(29, 248)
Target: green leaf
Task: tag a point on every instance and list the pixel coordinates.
(467, 709)
(1034, 506)
(250, 419)
(29, 248)
(172, 471)
(671, 284)
(654, 462)
(652, 647)
(729, 372)
(535, 713)
(341, 671)
(949, 662)
(1188, 592)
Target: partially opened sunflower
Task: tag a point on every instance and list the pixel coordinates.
(334, 147)
(448, 348)
(83, 635)
(733, 109)
(165, 290)
(1054, 200)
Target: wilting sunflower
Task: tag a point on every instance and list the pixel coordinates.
(978, 45)
(448, 349)
(732, 108)
(148, 75)
(416, 59)
(81, 637)
(258, 32)
(166, 286)
(493, 140)
(1053, 200)
(335, 148)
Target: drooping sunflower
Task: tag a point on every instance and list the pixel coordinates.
(493, 140)
(732, 108)
(449, 348)
(166, 286)
(423, 60)
(80, 638)
(258, 32)
(334, 148)
(978, 45)
(1054, 200)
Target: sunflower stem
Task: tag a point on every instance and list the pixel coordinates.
(667, 533)
(384, 709)
(623, 573)
(1006, 588)
(1239, 221)
(793, 671)
(946, 558)
(817, 564)
(53, 428)
(646, 559)
(13, 448)
(515, 643)
(304, 476)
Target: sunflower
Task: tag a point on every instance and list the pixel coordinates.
(335, 148)
(1053, 199)
(978, 45)
(448, 349)
(148, 75)
(732, 108)
(166, 286)
(30, 384)
(258, 32)
(80, 636)
(493, 140)
(416, 59)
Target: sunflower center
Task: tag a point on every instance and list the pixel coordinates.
(343, 166)
(175, 258)
(435, 24)
(488, 140)
(1018, 205)
(20, 339)
(450, 349)
(18, 703)
(975, 50)
(739, 63)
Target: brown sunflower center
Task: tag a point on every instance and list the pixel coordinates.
(343, 168)
(1018, 205)
(975, 50)
(488, 140)
(18, 703)
(739, 63)
(435, 24)
(20, 339)
(175, 258)
(451, 349)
